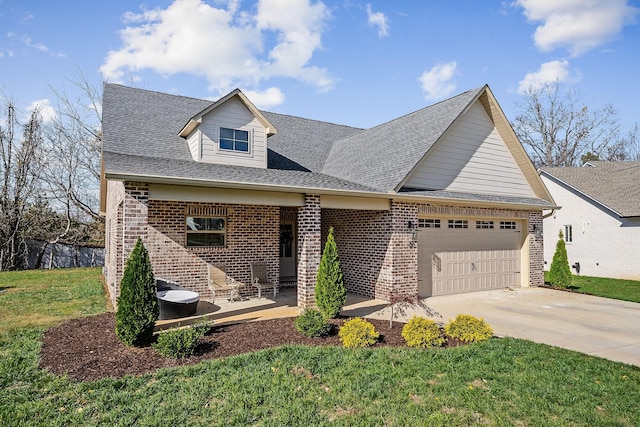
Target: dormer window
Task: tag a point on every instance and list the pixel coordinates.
(234, 140)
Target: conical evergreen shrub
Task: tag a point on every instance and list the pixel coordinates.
(560, 272)
(330, 292)
(137, 305)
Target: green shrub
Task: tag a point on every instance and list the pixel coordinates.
(560, 272)
(422, 333)
(330, 292)
(468, 328)
(311, 323)
(358, 333)
(180, 343)
(138, 304)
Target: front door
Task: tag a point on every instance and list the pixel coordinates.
(287, 250)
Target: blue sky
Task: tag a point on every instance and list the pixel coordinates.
(351, 62)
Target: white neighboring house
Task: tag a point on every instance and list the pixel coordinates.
(600, 218)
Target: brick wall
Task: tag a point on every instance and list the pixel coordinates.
(536, 251)
(252, 235)
(378, 253)
(362, 238)
(309, 249)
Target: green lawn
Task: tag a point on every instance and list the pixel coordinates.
(501, 382)
(627, 290)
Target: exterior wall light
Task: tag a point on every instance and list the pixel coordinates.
(537, 230)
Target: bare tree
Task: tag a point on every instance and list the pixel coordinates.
(558, 129)
(631, 143)
(74, 141)
(21, 163)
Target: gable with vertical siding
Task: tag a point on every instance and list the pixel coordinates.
(471, 157)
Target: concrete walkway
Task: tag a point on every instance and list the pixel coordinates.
(597, 326)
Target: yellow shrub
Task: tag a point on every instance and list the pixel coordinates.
(422, 333)
(358, 333)
(469, 329)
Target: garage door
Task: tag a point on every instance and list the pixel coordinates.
(460, 255)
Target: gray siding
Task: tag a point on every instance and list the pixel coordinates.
(194, 144)
(471, 157)
(233, 114)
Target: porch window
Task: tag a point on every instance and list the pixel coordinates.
(206, 231)
(234, 140)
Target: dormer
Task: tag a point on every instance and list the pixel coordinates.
(231, 131)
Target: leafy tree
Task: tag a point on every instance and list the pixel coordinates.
(138, 305)
(557, 128)
(560, 273)
(330, 291)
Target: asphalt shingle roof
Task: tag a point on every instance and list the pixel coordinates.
(141, 140)
(124, 164)
(615, 185)
(384, 155)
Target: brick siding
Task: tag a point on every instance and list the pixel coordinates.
(378, 253)
(252, 234)
(378, 250)
(309, 249)
(536, 251)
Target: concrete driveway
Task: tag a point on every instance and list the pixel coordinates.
(597, 326)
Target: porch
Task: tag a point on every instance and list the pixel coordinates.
(253, 309)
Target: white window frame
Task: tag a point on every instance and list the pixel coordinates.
(568, 233)
(189, 231)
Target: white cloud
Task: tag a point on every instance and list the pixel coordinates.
(38, 46)
(27, 17)
(47, 112)
(578, 25)
(378, 19)
(265, 99)
(227, 46)
(437, 83)
(548, 72)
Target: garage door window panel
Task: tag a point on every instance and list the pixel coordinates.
(484, 225)
(458, 223)
(508, 225)
(428, 223)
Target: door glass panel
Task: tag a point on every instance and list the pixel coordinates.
(286, 240)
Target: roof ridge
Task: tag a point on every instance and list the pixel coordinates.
(313, 120)
(158, 92)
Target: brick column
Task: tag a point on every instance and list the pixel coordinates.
(309, 249)
(536, 250)
(134, 216)
(399, 272)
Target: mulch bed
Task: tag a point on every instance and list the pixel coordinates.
(87, 349)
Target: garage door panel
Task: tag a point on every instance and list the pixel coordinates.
(462, 260)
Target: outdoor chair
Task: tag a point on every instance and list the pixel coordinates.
(219, 281)
(259, 278)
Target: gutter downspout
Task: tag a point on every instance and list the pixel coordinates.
(549, 214)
